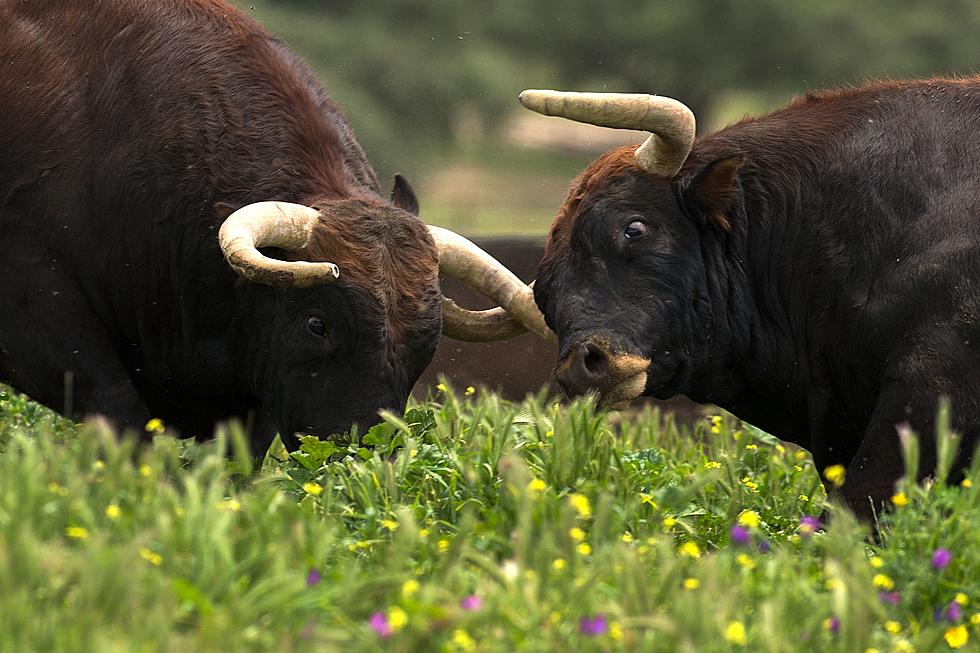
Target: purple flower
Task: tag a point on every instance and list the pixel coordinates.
(471, 603)
(764, 546)
(809, 525)
(889, 597)
(833, 625)
(941, 558)
(312, 577)
(740, 534)
(593, 625)
(952, 612)
(379, 624)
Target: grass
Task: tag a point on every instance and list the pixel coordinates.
(470, 524)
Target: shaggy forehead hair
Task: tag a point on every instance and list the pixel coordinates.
(383, 251)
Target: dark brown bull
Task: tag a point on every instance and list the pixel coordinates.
(129, 131)
(816, 271)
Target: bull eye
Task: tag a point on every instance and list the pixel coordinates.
(636, 229)
(316, 326)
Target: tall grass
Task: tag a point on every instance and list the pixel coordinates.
(468, 524)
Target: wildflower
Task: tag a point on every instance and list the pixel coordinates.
(537, 485)
(558, 564)
(313, 488)
(691, 583)
(471, 603)
(554, 617)
(712, 464)
(576, 533)
(903, 646)
(832, 624)
(893, 627)
(780, 449)
(739, 534)
(228, 504)
(749, 483)
(809, 525)
(745, 560)
(593, 626)
(899, 499)
(689, 549)
(749, 519)
(463, 641)
(549, 433)
(735, 633)
(60, 490)
(151, 556)
(397, 618)
(797, 468)
(975, 619)
(424, 532)
(832, 583)
(835, 474)
(145, 471)
(882, 581)
(442, 545)
(669, 522)
(957, 636)
(76, 532)
(941, 558)
(751, 447)
(99, 465)
(581, 504)
(379, 624)
(113, 512)
(876, 562)
(615, 631)
(967, 483)
(893, 598)
(962, 598)
(312, 577)
(584, 549)
(409, 587)
(469, 390)
(800, 454)
(647, 499)
(804, 498)
(389, 524)
(716, 422)
(626, 537)
(155, 425)
(441, 387)
(764, 546)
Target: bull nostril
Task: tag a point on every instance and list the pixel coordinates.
(595, 362)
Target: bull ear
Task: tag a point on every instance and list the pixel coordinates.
(403, 196)
(713, 189)
(224, 209)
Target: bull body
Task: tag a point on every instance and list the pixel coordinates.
(815, 271)
(128, 131)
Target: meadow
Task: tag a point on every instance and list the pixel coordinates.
(471, 524)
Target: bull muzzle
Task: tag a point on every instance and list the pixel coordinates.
(617, 378)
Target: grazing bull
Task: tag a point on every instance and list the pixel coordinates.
(130, 131)
(815, 271)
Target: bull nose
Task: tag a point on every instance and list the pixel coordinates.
(586, 368)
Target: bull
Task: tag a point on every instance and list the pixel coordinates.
(189, 230)
(815, 271)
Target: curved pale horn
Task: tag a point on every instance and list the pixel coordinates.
(670, 122)
(273, 224)
(464, 261)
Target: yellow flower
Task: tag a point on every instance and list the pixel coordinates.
(409, 587)
(112, 511)
(228, 504)
(882, 581)
(735, 633)
(962, 598)
(669, 522)
(749, 483)
(967, 483)
(60, 490)
(780, 449)
(549, 433)
(832, 583)
(615, 631)
(313, 488)
(99, 465)
(749, 518)
(876, 562)
(576, 533)
(745, 560)
(797, 468)
(441, 387)
(800, 454)
(893, 627)
(691, 583)
(975, 619)
(469, 390)
(716, 423)
(151, 556)
(712, 464)
(751, 447)
(442, 545)
(145, 471)
(390, 524)
(554, 617)
(903, 646)
(835, 474)
(397, 618)
(584, 549)
(804, 498)
(957, 636)
(899, 499)
(155, 425)
(626, 537)
(463, 641)
(871, 650)
(423, 532)
(76, 532)
(537, 485)
(581, 504)
(558, 564)
(646, 498)
(689, 549)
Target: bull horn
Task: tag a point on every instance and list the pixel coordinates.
(273, 224)
(670, 122)
(462, 260)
